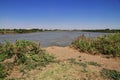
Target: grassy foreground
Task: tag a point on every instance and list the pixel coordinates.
(108, 44)
(71, 69)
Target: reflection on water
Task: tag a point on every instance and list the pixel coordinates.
(55, 38)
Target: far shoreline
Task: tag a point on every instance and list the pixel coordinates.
(24, 31)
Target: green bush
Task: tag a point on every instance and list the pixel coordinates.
(82, 43)
(2, 72)
(23, 52)
(111, 74)
(107, 44)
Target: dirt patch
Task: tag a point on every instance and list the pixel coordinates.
(64, 53)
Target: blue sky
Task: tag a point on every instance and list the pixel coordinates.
(60, 14)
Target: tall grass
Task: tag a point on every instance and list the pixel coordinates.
(22, 52)
(107, 44)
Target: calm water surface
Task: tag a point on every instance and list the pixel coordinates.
(49, 38)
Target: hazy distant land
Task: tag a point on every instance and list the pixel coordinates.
(16, 31)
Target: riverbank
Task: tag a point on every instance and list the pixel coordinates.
(70, 64)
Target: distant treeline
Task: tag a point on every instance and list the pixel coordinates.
(103, 30)
(13, 31)
(5, 31)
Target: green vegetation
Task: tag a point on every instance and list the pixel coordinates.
(25, 54)
(107, 44)
(5, 31)
(27, 31)
(65, 71)
(84, 64)
(2, 72)
(103, 30)
(94, 63)
(111, 74)
(73, 61)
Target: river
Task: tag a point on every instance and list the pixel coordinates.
(49, 38)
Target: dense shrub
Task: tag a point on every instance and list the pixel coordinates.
(107, 44)
(22, 52)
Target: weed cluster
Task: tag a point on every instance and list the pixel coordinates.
(2, 72)
(26, 54)
(111, 74)
(73, 61)
(94, 63)
(107, 44)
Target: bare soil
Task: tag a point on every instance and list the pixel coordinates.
(64, 53)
